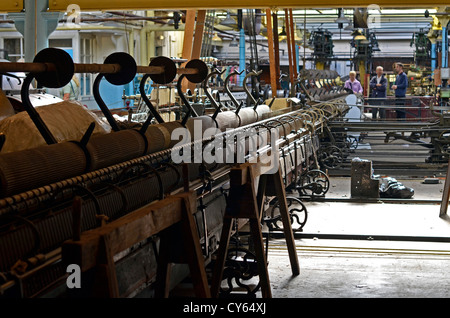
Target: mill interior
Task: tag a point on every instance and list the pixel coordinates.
(176, 150)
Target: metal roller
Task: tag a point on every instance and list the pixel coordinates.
(32, 168)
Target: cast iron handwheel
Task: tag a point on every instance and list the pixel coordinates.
(330, 157)
(240, 265)
(313, 182)
(298, 214)
(352, 142)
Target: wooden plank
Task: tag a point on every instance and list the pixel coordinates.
(289, 47)
(105, 284)
(446, 193)
(126, 231)
(291, 22)
(187, 41)
(198, 39)
(240, 194)
(276, 45)
(221, 257)
(271, 49)
(193, 250)
(86, 5)
(277, 182)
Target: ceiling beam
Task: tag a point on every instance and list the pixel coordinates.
(87, 5)
(11, 6)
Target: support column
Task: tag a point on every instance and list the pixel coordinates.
(277, 52)
(444, 20)
(289, 48)
(273, 75)
(36, 25)
(187, 41)
(241, 56)
(293, 45)
(433, 54)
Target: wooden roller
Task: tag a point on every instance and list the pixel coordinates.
(33, 168)
(115, 147)
(159, 136)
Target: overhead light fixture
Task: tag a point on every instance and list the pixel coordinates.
(358, 36)
(349, 27)
(342, 18)
(234, 43)
(283, 32)
(216, 38)
(228, 21)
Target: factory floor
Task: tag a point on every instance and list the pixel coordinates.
(411, 263)
(366, 250)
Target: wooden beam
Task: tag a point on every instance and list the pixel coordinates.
(198, 39)
(124, 232)
(273, 75)
(86, 5)
(276, 45)
(187, 42)
(289, 47)
(445, 194)
(294, 51)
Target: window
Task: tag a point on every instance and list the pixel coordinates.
(60, 43)
(86, 57)
(13, 49)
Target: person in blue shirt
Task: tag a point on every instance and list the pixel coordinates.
(378, 85)
(401, 83)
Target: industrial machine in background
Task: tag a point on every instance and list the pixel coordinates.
(321, 41)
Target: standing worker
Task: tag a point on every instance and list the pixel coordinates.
(353, 84)
(72, 90)
(401, 83)
(378, 86)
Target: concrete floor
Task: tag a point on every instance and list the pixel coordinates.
(367, 268)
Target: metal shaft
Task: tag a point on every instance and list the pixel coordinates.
(86, 68)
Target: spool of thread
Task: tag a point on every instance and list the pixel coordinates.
(262, 111)
(198, 125)
(33, 168)
(247, 116)
(227, 119)
(115, 147)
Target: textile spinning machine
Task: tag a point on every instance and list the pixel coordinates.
(115, 204)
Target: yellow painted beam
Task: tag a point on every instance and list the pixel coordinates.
(86, 5)
(11, 6)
